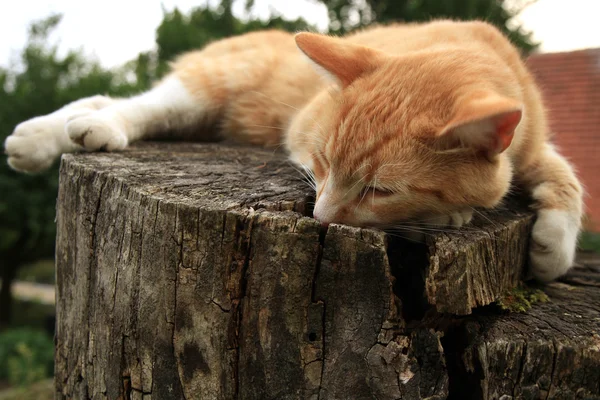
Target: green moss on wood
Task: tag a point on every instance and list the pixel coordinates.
(521, 299)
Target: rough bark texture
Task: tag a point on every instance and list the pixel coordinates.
(550, 352)
(190, 271)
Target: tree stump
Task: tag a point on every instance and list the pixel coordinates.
(194, 271)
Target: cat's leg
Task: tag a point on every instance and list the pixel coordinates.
(101, 123)
(200, 90)
(558, 198)
(196, 93)
(167, 107)
(36, 143)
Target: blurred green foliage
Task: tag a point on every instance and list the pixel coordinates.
(39, 271)
(590, 241)
(347, 15)
(32, 314)
(26, 356)
(178, 33)
(39, 83)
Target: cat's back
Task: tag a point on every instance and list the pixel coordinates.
(465, 43)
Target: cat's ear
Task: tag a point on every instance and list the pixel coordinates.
(337, 59)
(485, 122)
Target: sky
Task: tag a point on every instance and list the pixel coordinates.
(115, 31)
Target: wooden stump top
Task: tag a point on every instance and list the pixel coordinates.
(195, 271)
(463, 269)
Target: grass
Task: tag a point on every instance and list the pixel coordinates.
(37, 316)
(43, 390)
(590, 241)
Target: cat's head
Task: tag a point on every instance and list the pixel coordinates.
(403, 137)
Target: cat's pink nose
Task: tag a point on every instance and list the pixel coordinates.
(317, 215)
(325, 210)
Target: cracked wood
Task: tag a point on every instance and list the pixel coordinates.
(192, 271)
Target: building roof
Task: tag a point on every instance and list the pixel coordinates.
(570, 83)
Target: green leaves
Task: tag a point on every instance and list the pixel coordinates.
(40, 83)
(179, 33)
(347, 15)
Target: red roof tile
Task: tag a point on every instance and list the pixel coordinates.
(570, 83)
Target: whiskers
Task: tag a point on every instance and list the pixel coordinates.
(353, 186)
(361, 199)
(430, 227)
(485, 217)
(307, 175)
(423, 229)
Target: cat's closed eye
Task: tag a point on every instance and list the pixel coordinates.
(427, 191)
(375, 191)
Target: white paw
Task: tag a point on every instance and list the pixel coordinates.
(455, 220)
(460, 218)
(36, 143)
(553, 243)
(99, 130)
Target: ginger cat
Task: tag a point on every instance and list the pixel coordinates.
(422, 121)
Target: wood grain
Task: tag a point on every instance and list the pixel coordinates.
(189, 271)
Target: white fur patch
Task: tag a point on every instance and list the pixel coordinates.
(460, 218)
(101, 123)
(168, 105)
(454, 220)
(553, 243)
(98, 130)
(36, 143)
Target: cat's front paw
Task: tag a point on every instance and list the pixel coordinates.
(36, 143)
(456, 219)
(460, 218)
(98, 130)
(553, 244)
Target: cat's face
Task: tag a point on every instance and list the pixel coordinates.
(393, 142)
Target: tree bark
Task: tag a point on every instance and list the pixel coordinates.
(190, 271)
(550, 352)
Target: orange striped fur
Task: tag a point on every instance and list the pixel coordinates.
(396, 122)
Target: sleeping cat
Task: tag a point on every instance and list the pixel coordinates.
(421, 121)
